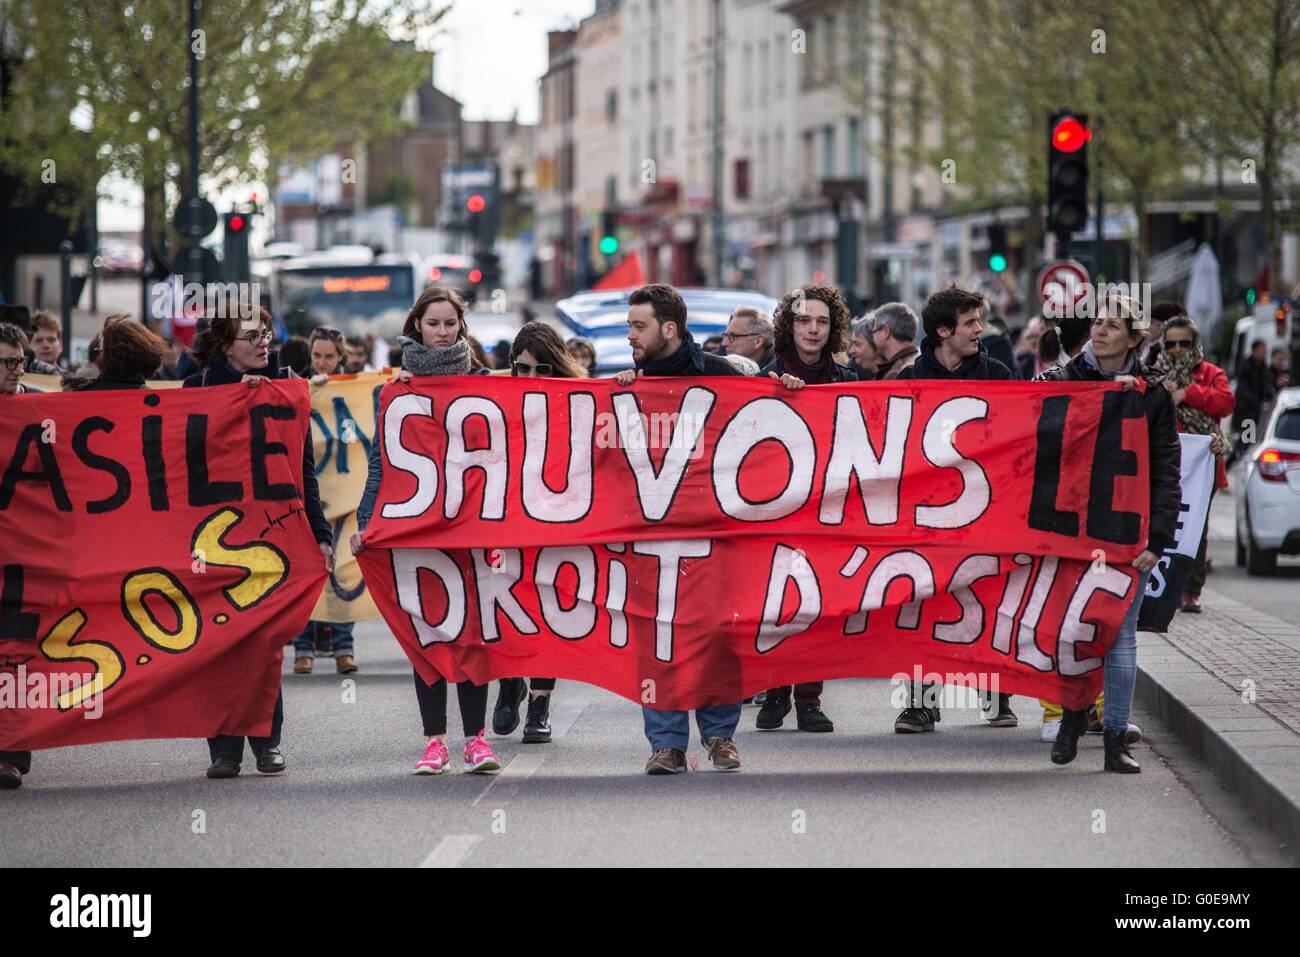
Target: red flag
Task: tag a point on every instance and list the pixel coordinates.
(626, 275)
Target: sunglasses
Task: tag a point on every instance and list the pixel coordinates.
(1178, 343)
(14, 363)
(523, 368)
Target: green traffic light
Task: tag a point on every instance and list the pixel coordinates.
(609, 245)
(1250, 297)
(997, 262)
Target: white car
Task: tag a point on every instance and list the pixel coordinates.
(1268, 508)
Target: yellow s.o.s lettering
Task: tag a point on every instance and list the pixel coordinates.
(265, 566)
(159, 581)
(58, 646)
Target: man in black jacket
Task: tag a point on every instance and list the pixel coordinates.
(953, 320)
(662, 346)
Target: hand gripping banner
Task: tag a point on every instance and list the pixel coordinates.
(156, 558)
(684, 542)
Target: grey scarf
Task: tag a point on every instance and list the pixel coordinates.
(1129, 368)
(419, 359)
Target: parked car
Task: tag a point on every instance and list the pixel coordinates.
(1268, 508)
(602, 317)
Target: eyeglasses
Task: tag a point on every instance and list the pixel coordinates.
(1178, 343)
(523, 368)
(254, 338)
(14, 363)
(733, 336)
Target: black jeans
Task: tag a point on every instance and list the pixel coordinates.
(433, 706)
(22, 760)
(232, 745)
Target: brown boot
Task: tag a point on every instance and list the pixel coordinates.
(346, 665)
(302, 666)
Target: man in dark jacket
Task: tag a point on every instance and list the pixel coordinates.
(662, 346)
(232, 351)
(953, 321)
(1255, 389)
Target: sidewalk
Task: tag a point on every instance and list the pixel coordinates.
(1228, 683)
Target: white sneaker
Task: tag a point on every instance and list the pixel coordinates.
(1050, 728)
(1133, 735)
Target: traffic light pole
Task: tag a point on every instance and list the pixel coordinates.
(194, 260)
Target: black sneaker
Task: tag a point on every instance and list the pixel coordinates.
(811, 718)
(1005, 718)
(772, 714)
(915, 720)
(537, 727)
(505, 716)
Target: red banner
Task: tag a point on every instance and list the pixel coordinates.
(156, 558)
(692, 541)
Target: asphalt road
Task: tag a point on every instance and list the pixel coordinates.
(1277, 595)
(967, 794)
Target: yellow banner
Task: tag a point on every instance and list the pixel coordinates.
(50, 383)
(342, 428)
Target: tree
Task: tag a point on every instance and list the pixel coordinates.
(102, 85)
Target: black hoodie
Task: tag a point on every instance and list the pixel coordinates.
(220, 372)
(979, 366)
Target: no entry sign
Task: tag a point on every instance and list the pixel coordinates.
(1062, 285)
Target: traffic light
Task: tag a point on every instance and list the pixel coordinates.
(609, 233)
(476, 203)
(1279, 317)
(1067, 173)
(997, 247)
(235, 244)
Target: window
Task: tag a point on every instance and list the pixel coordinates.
(668, 141)
(764, 68)
(747, 89)
(829, 46)
(741, 178)
(828, 152)
(809, 163)
(611, 105)
(854, 165)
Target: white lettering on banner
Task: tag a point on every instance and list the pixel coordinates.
(906, 564)
(493, 461)
(853, 455)
(968, 627)
(759, 421)
(496, 591)
(1014, 594)
(788, 565)
(670, 553)
(1074, 630)
(407, 564)
(399, 457)
(655, 490)
(1027, 650)
(937, 444)
(574, 501)
(578, 621)
(617, 598)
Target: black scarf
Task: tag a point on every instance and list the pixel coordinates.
(818, 373)
(687, 360)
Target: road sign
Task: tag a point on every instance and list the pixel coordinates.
(195, 218)
(1062, 286)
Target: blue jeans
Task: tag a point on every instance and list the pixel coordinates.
(1120, 665)
(672, 729)
(304, 646)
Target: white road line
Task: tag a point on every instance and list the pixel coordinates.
(452, 850)
(504, 785)
(566, 714)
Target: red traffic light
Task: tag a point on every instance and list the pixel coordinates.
(1069, 135)
(475, 276)
(237, 224)
(476, 203)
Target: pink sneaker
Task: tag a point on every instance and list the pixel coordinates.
(435, 760)
(479, 758)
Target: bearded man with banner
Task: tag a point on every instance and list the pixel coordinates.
(595, 531)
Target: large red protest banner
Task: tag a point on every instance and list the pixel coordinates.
(686, 542)
(156, 558)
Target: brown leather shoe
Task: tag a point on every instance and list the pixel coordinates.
(666, 761)
(723, 754)
(302, 666)
(346, 665)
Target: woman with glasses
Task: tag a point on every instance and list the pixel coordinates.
(327, 348)
(435, 342)
(1202, 398)
(234, 349)
(1111, 354)
(537, 353)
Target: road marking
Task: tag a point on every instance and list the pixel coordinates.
(452, 850)
(505, 784)
(566, 714)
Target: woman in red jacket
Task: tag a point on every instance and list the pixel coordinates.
(1202, 399)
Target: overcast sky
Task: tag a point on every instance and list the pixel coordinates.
(490, 55)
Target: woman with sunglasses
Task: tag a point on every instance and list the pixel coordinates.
(435, 342)
(1202, 398)
(235, 349)
(538, 352)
